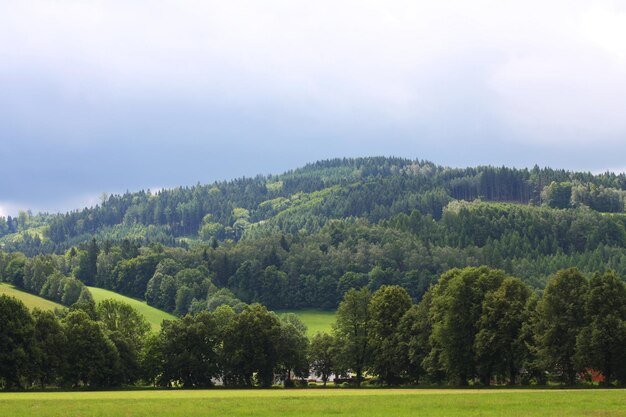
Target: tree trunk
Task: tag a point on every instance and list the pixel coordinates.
(512, 373)
(607, 373)
(463, 380)
(571, 376)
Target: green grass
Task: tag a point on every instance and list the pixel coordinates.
(31, 301)
(315, 320)
(153, 315)
(316, 402)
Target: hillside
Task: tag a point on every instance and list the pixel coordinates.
(154, 316)
(300, 240)
(305, 200)
(31, 301)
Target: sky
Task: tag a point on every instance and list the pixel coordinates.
(110, 96)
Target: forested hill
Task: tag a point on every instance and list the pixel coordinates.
(303, 238)
(304, 200)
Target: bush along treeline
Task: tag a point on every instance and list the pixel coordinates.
(302, 270)
(306, 199)
(476, 326)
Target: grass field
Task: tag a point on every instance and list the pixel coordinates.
(316, 402)
(315, 320)
(153, 315)
(31, 301)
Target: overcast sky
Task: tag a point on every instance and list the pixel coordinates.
(108, 96)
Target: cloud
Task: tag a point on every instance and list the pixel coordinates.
(8, 208)
(549, 65)
(115, 95)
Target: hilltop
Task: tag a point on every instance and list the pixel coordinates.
(305, 200)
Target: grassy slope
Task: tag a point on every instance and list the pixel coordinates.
(31, 301)
(317, 402)
(153, 315)
(315, 320)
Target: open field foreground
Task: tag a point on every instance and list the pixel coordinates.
(31, 301)
(154, 316)
(317, 402)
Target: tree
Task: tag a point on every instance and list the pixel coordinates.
(152, 362)
(455, 312)
(184, 297)
(189, 348)
(15, 269)
(221, 297)
(323, 355)
(16, 341)
(499, 346)
(118, 316)
(49, 349)
(351, 280)
(601, 344)
(273, 283)
(72, 289)
(292, 349)
(415, 329)
(127, 368)
(36, 271)
(167, 293)
(210, 230)
(561, 319)
(88, 263)
(352, 331)
(252, 345)
(389, 358)
(557, 194)
(293, 319)
(153, 289)
(94, 357)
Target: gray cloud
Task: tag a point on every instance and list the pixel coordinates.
(109, 96)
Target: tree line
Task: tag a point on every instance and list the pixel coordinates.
(306, 199)
(480, 326)
(110, 345)
(476, 326)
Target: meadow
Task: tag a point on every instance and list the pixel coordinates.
(31, 301)
(316, 402)
(154, 316)
(315, 320)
